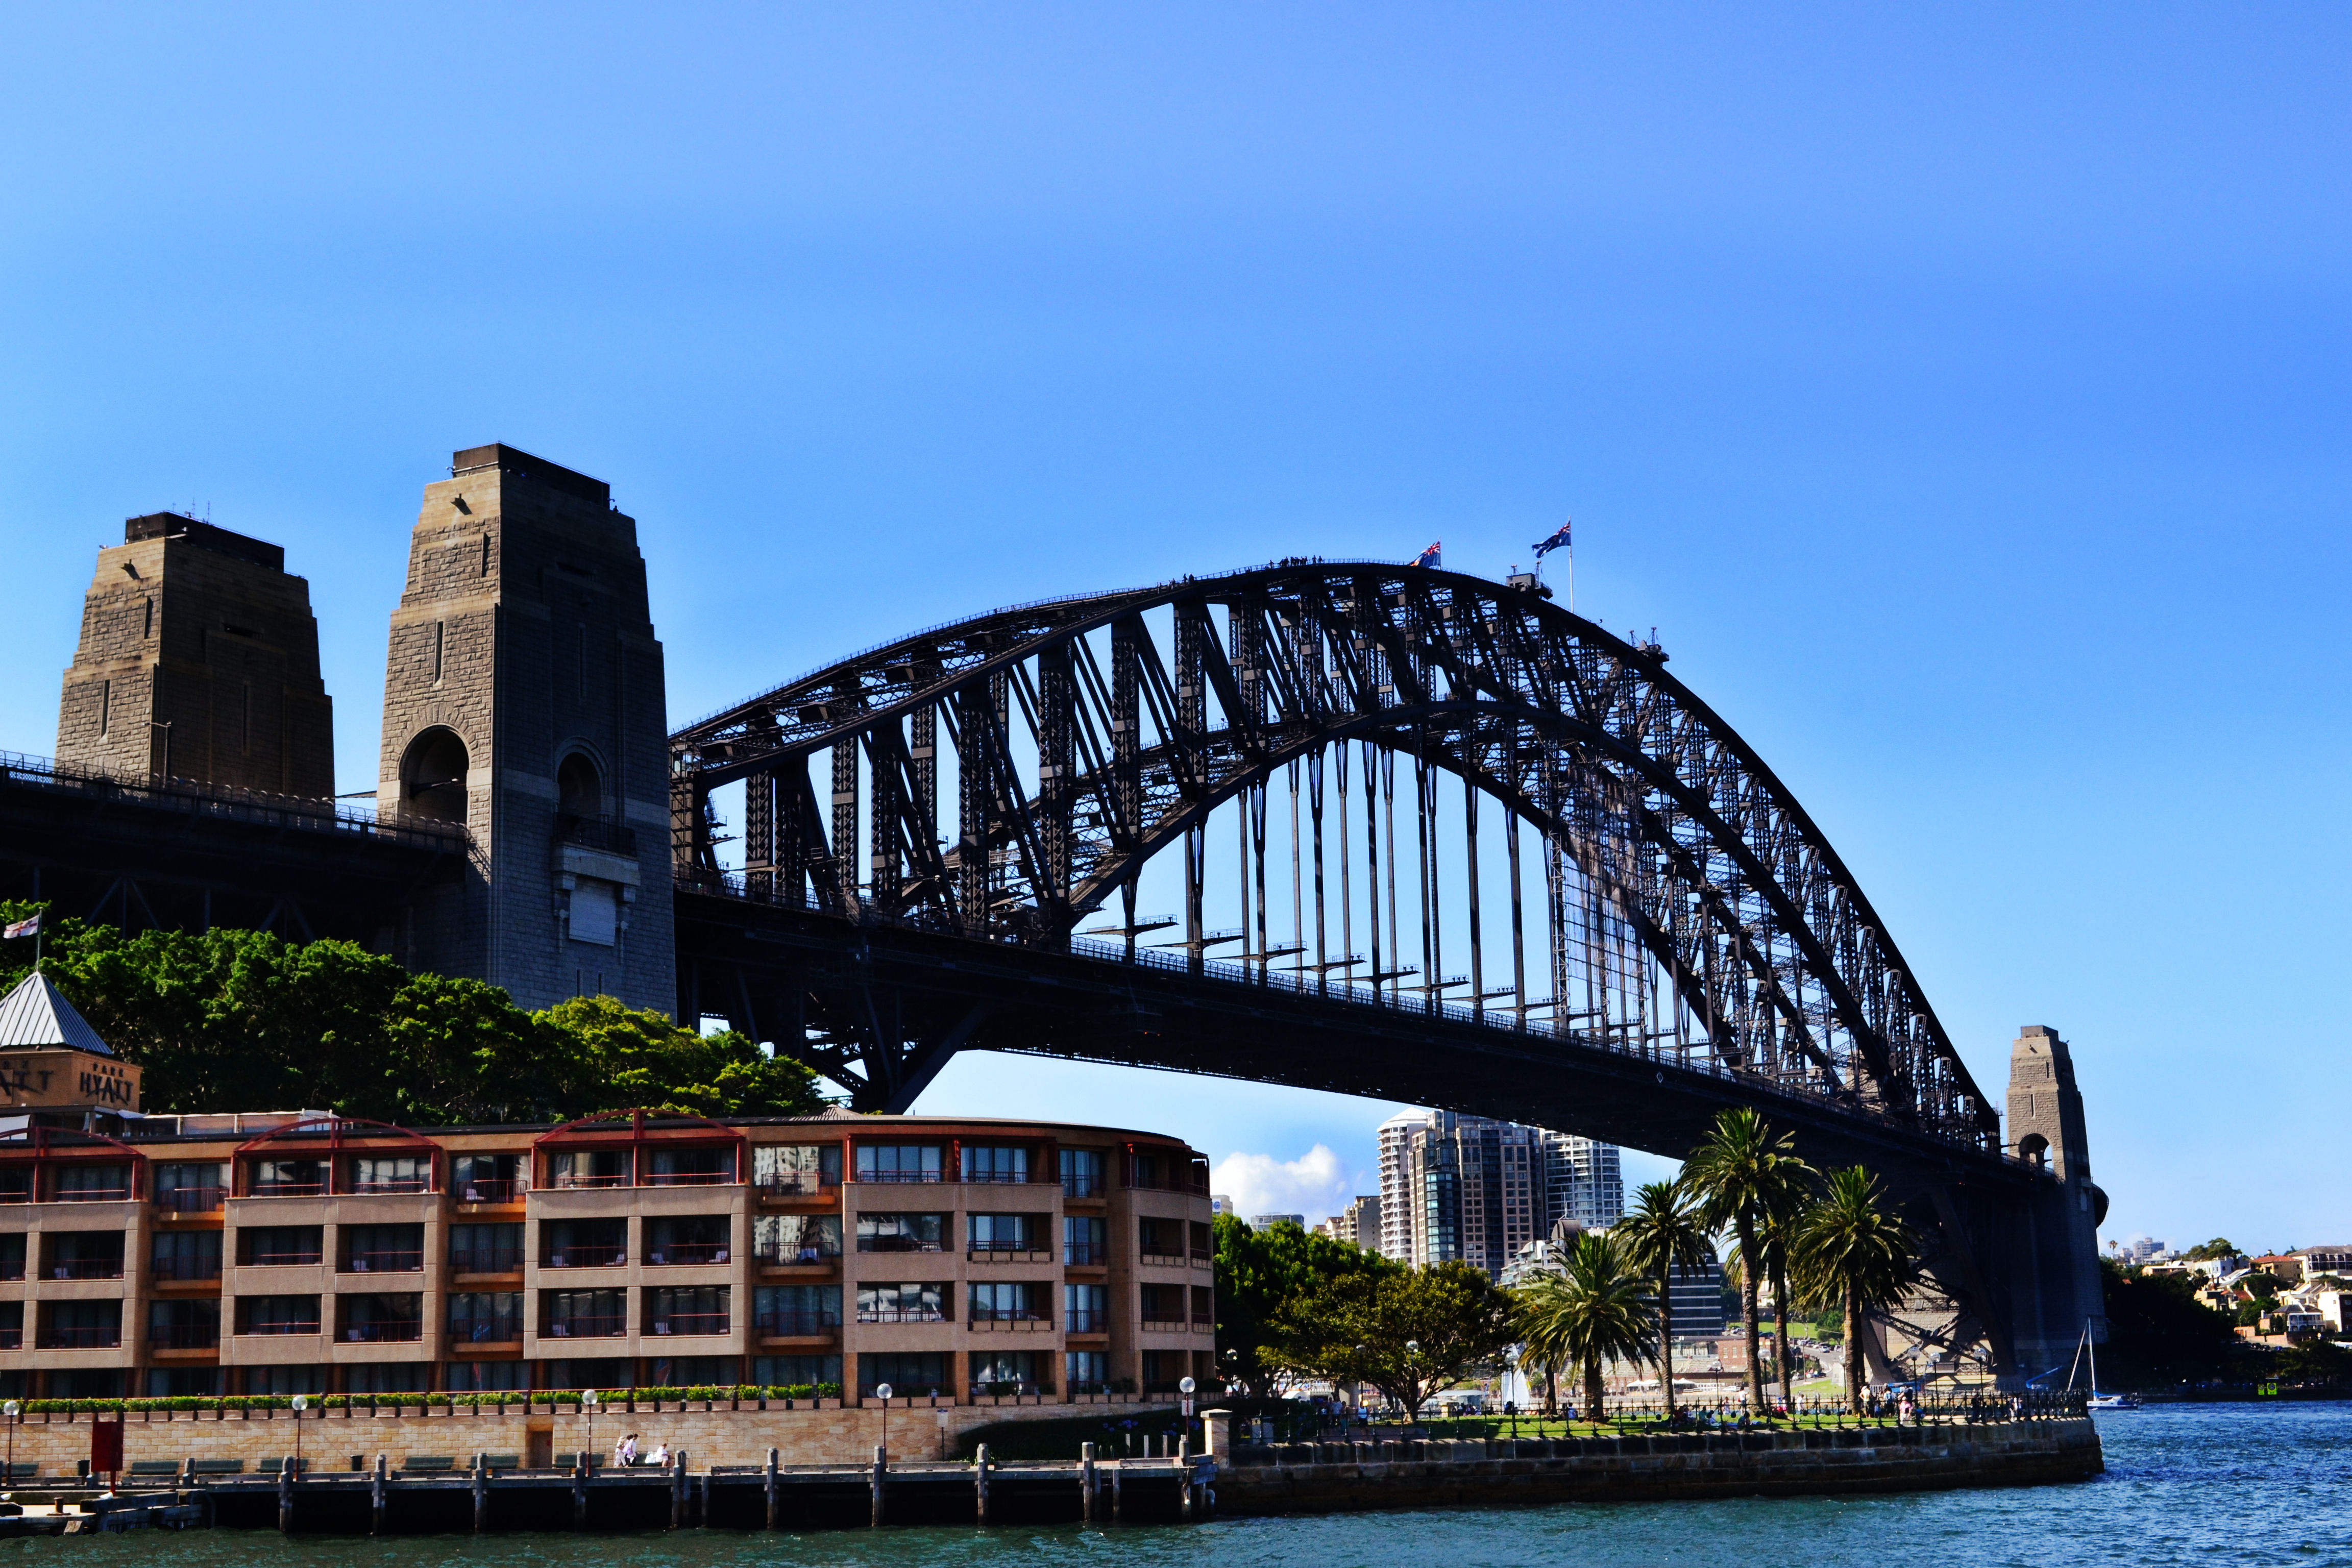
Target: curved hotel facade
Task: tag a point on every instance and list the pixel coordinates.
(289, 1253)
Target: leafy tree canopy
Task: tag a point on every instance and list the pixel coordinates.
(241, 1020)
(1259, 1273)
(2220, 1246)
(1408, 1333)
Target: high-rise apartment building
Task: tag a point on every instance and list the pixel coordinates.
(1477, 1190)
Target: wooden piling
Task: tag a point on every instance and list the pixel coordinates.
(881, 1475)
(579, 1491)
(286, 1496)
(1086, 1483)
(1117, 1469)
(768, 1481)
(377, 1482)
(678, 1489)
(481, 1493)
(979, 1483)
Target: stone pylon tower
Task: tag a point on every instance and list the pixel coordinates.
(523, 697)
(2060, 1241)
(198, 659)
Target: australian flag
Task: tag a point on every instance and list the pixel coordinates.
(1429, 557)
(1556, 541)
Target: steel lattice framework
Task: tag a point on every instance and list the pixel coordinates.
(1693, 912)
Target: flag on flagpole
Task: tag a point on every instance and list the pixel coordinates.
(29, 926)
(1429, 557)
(1556, 541)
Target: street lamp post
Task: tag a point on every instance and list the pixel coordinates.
(1412, 1371)
(588, 1403)
(13, 1410)
(301, 1402)
(882, 1393)
(1185, 1385)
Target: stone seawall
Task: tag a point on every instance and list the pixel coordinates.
(1316, 1479)
(331, 1438)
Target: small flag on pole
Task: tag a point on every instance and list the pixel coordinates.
(1429, 557)
(1556, 541)
(29, 926)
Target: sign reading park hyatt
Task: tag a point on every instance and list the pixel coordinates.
(49, 1056)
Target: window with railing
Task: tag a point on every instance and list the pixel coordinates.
(923, 1302)
(995, 1162)
(485, 1248)
(589, 1168)
(687, 1308)
(382, 1248)
(15, 1184)
(677, 1240)
(374, 1173)
(184, 1254)
(586, 1243)
(81, 1255)
(88, 1183)
(916, 1374)
(486, 1178)
(81, 1325)
(278, 1315)
(1010, 1371)
(486, 1317)
(796, 1170)
(1086, 1308)
(184, 1187)
(584, 1314)
(1163, 1307)
(1086, 1240)
(288, 1178)
(1085, 1372)
(1006, 1232)
(1204, 1307)
(1083, 1173)
(899, 1162)
(11, 1256)
(783, 1310)
(689, 1167)
(901, 1232)
(796, 1238)
(1008, 1301)
(184, 1325)
(1203, 1241)
(279, 1246)
(11, 1325)
(381, 1320)
(1161, 1240)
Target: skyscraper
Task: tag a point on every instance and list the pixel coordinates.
(1477, 1190)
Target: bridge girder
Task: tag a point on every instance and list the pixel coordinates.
(1080, 752)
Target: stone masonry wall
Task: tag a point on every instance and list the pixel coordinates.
(722, 1437)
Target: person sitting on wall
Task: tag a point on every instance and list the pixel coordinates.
(660, 1459)
(625, 1452)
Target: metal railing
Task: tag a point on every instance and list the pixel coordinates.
(1019, 1244)
(205, 1268)
(192, 1200)
(91, 1195)
(384, 1330)
(577, 1256)
(228, 803)
(787, 1325)
(87, 1268)
(590, 833)
(391, 1185)
(394, 1260)
(281, 1326)
(898, 1244)
(305, 1259)
(98, 1337)
(864, 1175)
(690, 1178)
(902, 1314)
(571, 1180)
(588, 1326)
(798, 1184)
(1085, 1321)
(183, 1336)
(799, 1257)
(681, 1253)
(691, 1323)
(1077, 1186)
(1086, 1253)
(498, 1190)
(289, 1190)
(486, 1260)
(499, 1329)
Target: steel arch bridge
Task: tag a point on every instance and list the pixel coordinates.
(1692, 913)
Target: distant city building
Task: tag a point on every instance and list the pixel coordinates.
(1360, 1223)
(2334, 1258)
(1476, 1190)
(2141, 1249)
(1219, 1203)
(1697, 1294)
(1265, 1221)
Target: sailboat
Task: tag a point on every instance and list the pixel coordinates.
(2097, 1401)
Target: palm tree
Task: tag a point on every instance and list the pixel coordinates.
(1776, 1234)
(1741, 1173)
(1850, 1250)
(1662, 1235)
(1537, 1310)
(1595, 1309)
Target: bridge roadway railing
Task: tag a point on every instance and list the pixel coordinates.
(227, 803)
(1343, 992)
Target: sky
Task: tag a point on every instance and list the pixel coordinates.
(1960, 391)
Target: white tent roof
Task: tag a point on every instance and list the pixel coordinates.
(33, 1015)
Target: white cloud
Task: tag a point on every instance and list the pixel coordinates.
(1315, 1184)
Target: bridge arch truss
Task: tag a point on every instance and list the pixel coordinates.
(1009, 776)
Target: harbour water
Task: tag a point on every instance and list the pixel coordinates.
(2245, 1484)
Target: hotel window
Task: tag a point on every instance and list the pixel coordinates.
(900, 1232)
(688, 1309)
(486, 1317)
(1085, 1372)
(688, 1238)
(1082, 1172)
(995, 1162)
(392, 1173)
(185, 1255)
(811, 1373)
(782, 1311)
(1084, 1240)
(486, 1178)
(922, 1302)
(793, 1238)
(1008, 1301)
(789, 1170)
(279, 1246)
(1006, 1232)
(898, 1161)
(915, 1375)
(485, 1248)
(190, 1188)
(588, 1168)
(278, 1314)
(1086, 1308)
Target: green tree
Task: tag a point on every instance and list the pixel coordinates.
(1259, 1273)
(1742, 1175)
(1409, 1332)
(634, 1057)
(1851, 1250)
(1595, 1309)
(2220, 1246)
(1661, 1234)
(2159, 1332)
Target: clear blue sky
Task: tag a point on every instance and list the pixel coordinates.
(1961, 391)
